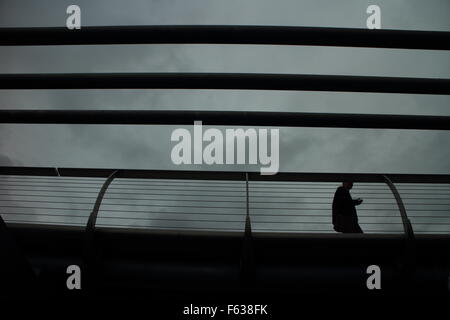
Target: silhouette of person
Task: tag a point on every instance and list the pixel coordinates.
(345, 219)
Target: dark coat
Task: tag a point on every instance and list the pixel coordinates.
(345, 218)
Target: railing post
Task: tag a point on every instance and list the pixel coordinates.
(406, 223)
(409, 257)
(90, 257)
(247, 264)
(248, 227)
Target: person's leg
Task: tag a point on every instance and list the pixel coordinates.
(352, 228)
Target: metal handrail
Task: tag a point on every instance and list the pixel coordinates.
(224, 175)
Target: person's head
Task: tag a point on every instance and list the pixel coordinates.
(347, 185)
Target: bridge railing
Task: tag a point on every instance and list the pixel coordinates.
(212, 200)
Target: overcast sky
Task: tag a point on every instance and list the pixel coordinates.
(301, 149)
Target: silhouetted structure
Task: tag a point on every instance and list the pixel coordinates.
(345, 219)
(17, 275)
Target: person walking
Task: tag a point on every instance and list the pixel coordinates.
(345, 218)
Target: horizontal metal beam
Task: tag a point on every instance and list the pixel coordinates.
(235, 81)
(217, 34)
(226, 118)
(223, 175)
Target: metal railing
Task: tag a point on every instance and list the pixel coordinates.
(211, 196)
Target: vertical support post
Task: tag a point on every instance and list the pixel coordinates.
(90, 257)
(408, 260)
(247, 265)
(407, 227)
(248, 226)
